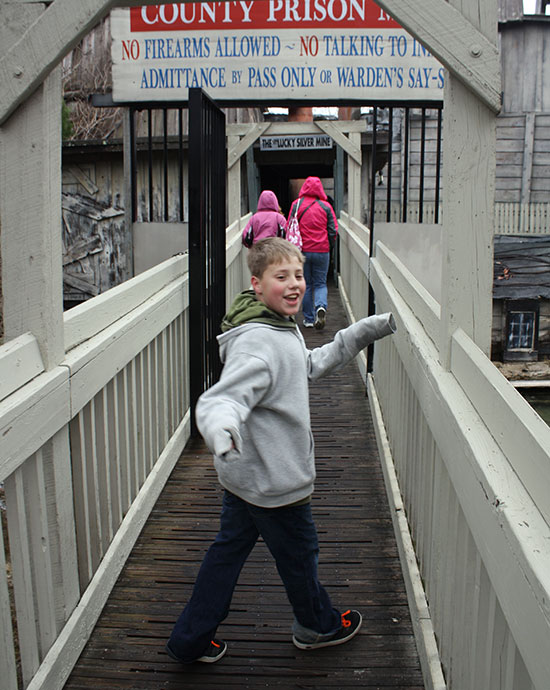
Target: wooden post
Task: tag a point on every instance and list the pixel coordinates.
(30, 217)
(468, 200)
(32, 287)
(354, 180)
(233, 184)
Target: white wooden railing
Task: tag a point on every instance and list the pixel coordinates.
(467, 466)
(237, 273)
(85, 450)
(510, 218)
(353, 256)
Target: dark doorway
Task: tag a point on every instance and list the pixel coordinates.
(277, 178)
(277, 168)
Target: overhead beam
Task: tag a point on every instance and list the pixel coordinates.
(455, 42)
(46, 42)
(442, 29)
(235, 152)
(349, 146)
(43, 45)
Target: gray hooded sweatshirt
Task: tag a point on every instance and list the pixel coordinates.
(256, 420)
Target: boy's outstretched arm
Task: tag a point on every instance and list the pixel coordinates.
(226, 405)
(348, 343)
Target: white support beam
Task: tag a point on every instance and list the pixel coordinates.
(43, 45)
(46, 42)
(469, 164)
(233, 181)
(237, 148)
(455, 42)
(350, 147)
(354, 179)
(30, 217)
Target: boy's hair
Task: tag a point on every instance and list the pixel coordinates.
(271, 250)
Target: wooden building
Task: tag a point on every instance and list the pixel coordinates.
(521, 298)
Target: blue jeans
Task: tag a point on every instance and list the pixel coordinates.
(315, 273)
(290, 535)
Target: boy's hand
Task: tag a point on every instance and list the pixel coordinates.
(223, 442)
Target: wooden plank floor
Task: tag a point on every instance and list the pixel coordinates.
(359, 566)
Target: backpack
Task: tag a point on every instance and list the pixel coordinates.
(293, 233)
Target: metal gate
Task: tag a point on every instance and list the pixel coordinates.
(207, 192)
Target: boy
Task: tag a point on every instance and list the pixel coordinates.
(256, 422)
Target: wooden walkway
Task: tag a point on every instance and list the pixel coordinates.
(359, 566)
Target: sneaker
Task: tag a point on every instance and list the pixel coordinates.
(320, 318)
(351, 622)
(308, 324)
(214, 653)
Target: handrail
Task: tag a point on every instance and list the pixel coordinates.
(90, 317)
(20, 362)
(473, 465)
(120, 393)
(96, 438)
(475, 493)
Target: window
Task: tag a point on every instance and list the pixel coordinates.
(521, 330)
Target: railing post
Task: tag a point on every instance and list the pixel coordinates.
(469, 164)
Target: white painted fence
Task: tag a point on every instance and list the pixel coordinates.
(91, 443)
(237, 273)
(472, 462)
(85, 450)
(510, 218)
(353, 257)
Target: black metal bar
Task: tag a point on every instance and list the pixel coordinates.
(438, 165)
(373, 176)
(165, 161)
(405, 166)
(196, 251)
(207, 192)
(180, 160)
(390, 150)
(150, 160)
(133, 163)
(371, 301)
(422, 166)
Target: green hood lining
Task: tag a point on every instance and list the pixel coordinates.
(247, 308)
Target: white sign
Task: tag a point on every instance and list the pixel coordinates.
(269, 50)
(311, 141)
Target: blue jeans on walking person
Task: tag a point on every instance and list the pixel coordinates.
(315, 274)
(290, 535)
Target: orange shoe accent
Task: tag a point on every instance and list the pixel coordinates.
(345, 622)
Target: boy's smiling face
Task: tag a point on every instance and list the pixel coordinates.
(282, 286)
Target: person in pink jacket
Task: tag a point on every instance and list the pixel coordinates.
(268, 221)
(318, 227)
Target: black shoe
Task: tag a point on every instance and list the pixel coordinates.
(320, 318)
(214, 653)
(351, 622)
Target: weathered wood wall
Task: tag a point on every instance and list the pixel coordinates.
(523, 132)
(97, 239)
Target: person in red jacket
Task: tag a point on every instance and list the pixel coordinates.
(268, 221)
(318, 227)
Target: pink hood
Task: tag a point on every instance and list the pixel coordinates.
(313, 187)
(268, 201)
